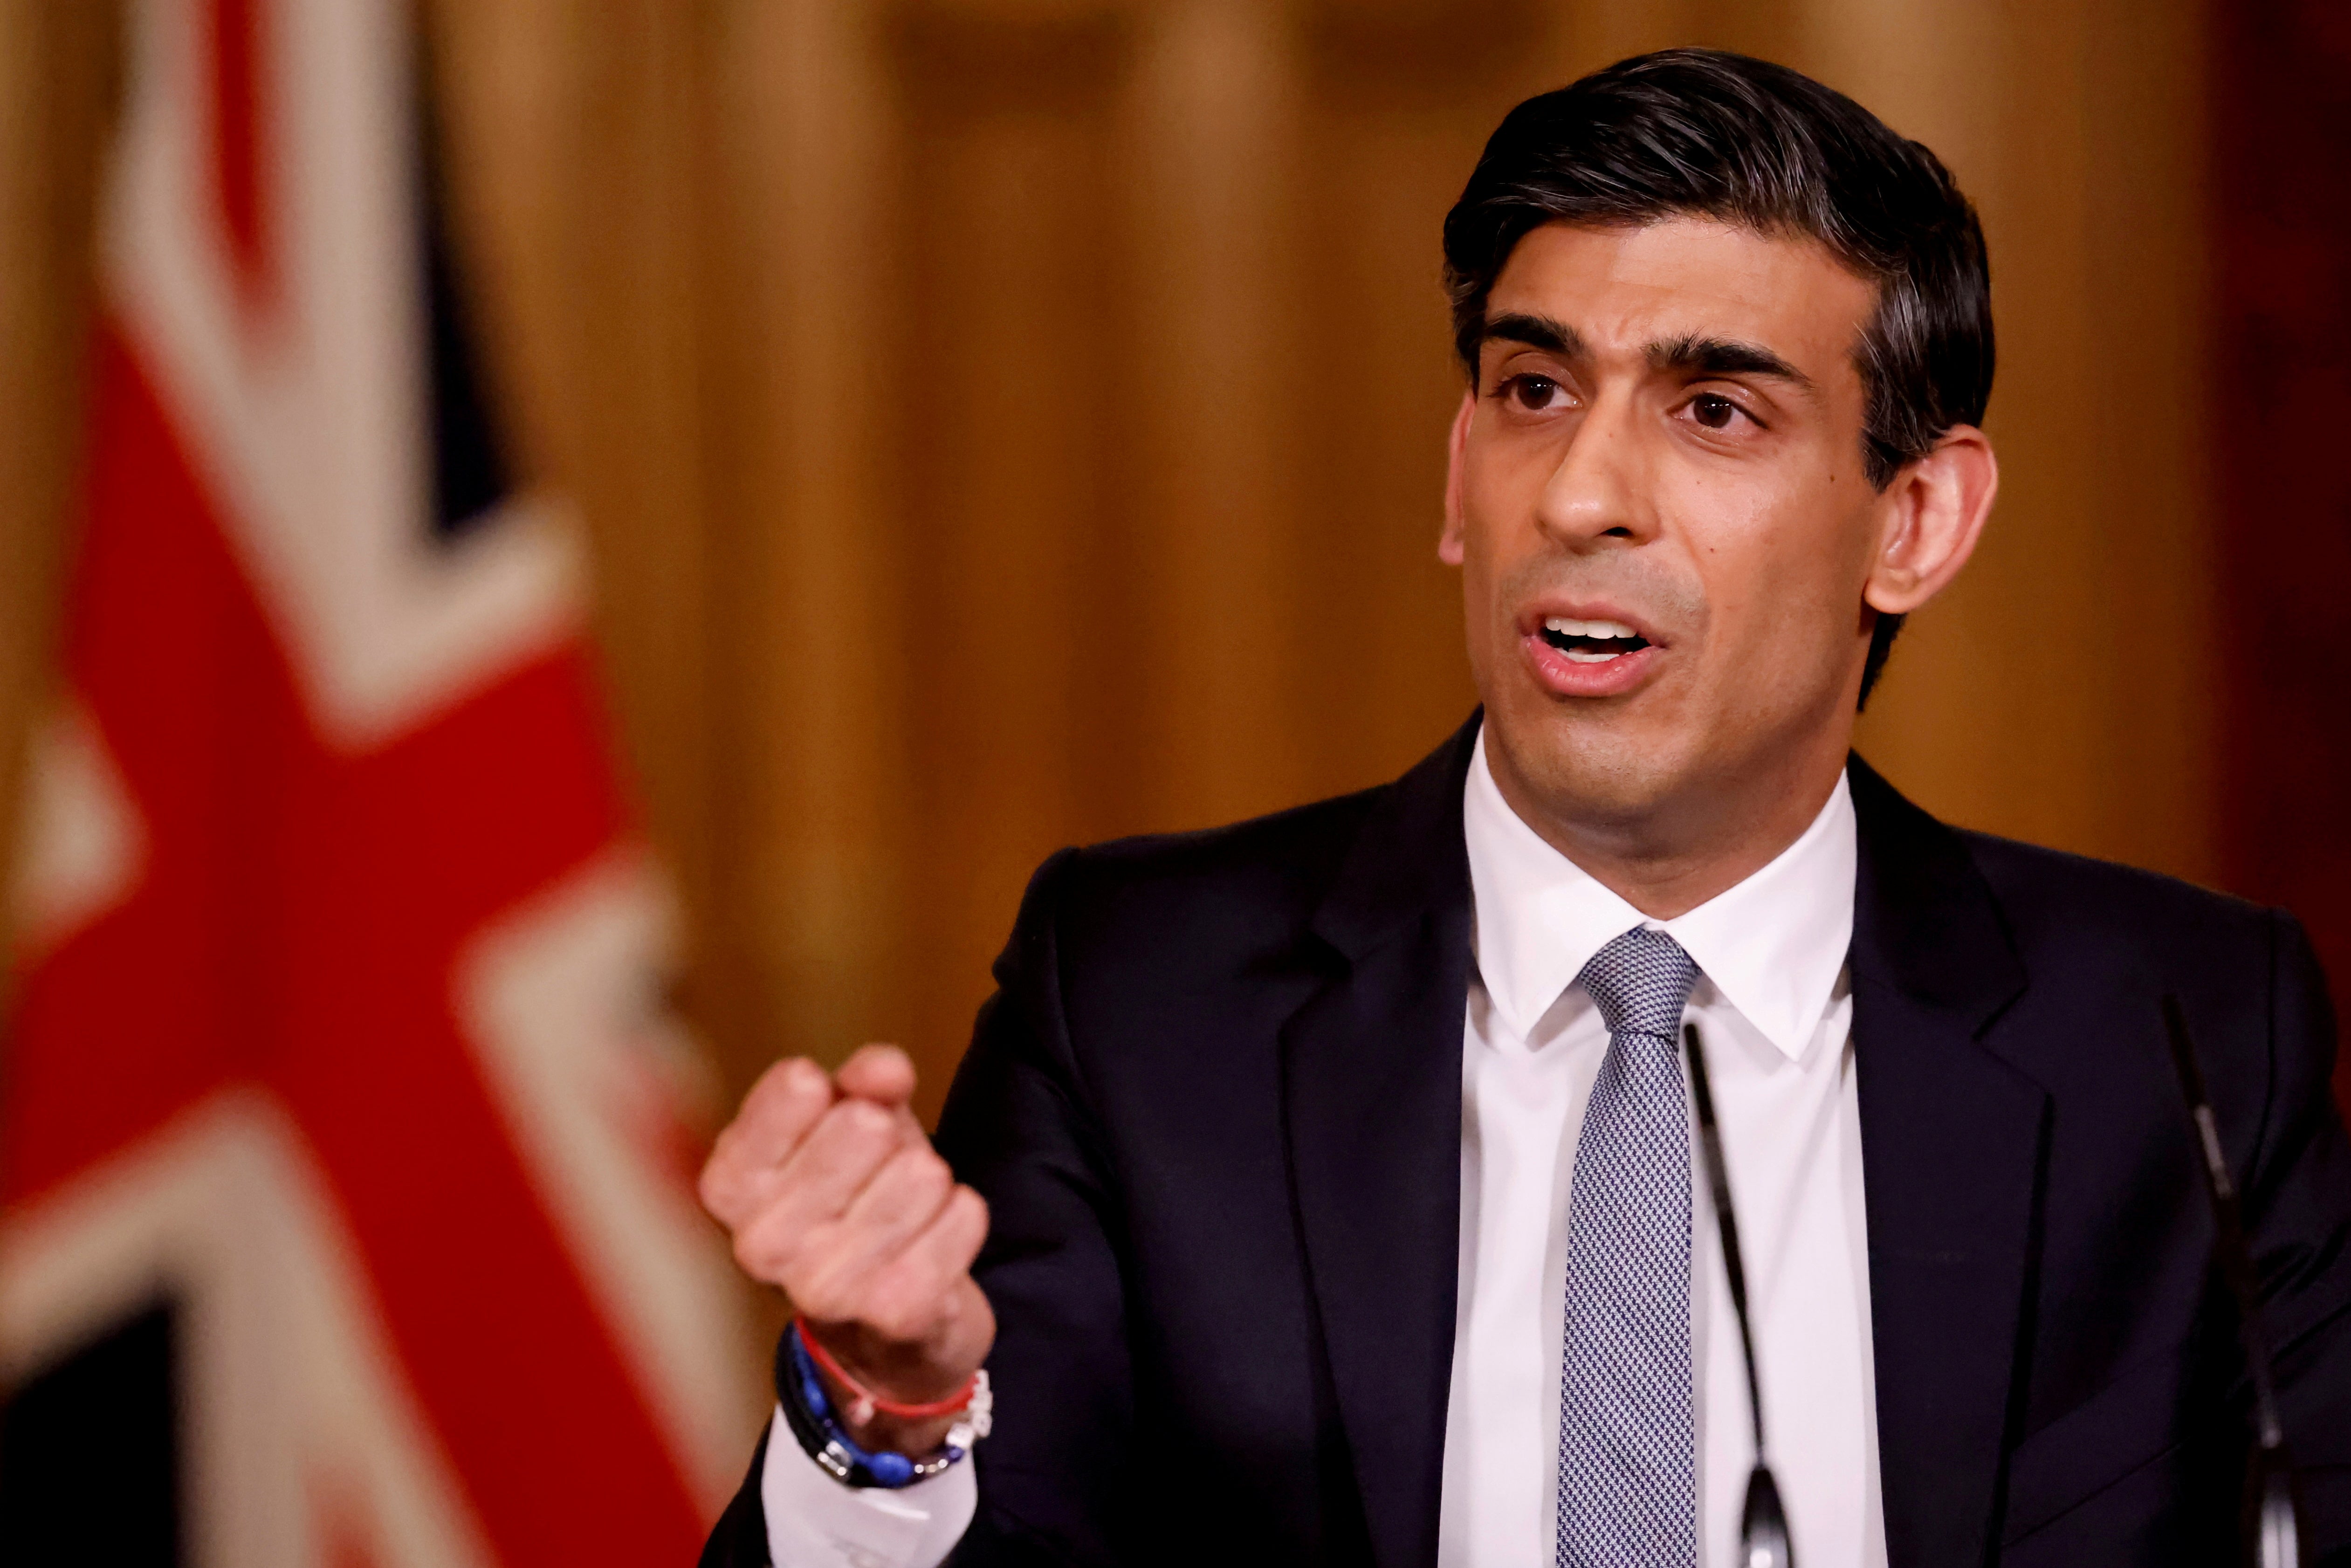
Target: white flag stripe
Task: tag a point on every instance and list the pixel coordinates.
(297, 1421)
(558, 1001)
(310, 420)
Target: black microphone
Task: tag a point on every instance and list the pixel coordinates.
(2273, 1532)
(1762, 1523)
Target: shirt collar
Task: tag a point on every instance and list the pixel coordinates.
(1773, 945)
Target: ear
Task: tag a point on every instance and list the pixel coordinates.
(1935, 512)
(1449, 542)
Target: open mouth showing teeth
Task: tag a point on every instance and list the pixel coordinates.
(1592, 641)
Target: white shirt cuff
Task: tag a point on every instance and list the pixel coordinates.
(814, 1522)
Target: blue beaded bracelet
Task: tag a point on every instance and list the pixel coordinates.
(839, 1455)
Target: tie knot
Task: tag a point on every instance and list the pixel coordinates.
(1641, 981)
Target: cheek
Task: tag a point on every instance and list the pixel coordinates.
(1484, 618)
(1503, 474)
(1783, 575)
(1486, 534)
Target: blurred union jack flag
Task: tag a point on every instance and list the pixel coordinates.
(343, 1219)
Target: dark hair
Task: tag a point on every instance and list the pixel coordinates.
(1697, 132)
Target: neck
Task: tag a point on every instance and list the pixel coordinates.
(1680, 852)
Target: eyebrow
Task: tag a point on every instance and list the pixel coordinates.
(1690, 353)
(1726, 357)
(1535, 332)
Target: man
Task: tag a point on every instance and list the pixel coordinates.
(1337, 1167)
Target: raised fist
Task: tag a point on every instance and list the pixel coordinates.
(832, 1193)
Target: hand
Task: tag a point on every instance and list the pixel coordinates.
(832, 1192)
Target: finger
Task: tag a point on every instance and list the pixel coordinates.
(781, 1109)
(747, 1157)
(882, 1074)
(905, 1195)
(916, 1292)
(950, 1244)
(824, 1173)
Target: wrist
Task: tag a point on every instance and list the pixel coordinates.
(860, 1367)
(888, 1432)
(863, 1436)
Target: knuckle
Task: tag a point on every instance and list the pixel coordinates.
(767, 1091)
(783, 1092)
(863, 1129)
(767, 1249)
(792, 1075)
(722, 1188)
(970, 1209)
(854, 1120)
(710, 1189)
(929, 1177)
(754, 1259)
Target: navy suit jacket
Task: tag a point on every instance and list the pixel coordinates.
(1214, 1107)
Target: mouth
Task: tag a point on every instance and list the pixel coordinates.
(1590, 641)
(1589, 655)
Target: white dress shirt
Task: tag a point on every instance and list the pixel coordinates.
(1772, 1005)
(1772, 1009)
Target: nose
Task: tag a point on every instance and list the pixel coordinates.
(1595, 497)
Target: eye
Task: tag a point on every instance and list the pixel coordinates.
(1536, 395)
(1717, 413)
(1714, 411)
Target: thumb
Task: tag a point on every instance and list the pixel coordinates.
(880, 1073)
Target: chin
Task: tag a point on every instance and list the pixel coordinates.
(1585, 771)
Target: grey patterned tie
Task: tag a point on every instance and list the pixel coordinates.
(1628, 1442)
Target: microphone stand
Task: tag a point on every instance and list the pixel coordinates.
(1762, 1523)
(2273, 1535)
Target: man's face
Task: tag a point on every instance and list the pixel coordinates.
(1659, 507)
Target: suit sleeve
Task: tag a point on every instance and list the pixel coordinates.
(1021, 1128)
(739, 1539)
(2298, 1210)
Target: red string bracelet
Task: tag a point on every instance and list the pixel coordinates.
(864, 1402)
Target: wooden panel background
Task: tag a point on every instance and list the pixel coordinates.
(2283, 101)
(1005, 423)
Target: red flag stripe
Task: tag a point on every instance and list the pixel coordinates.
(297, 926)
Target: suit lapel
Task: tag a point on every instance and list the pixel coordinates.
(1953, 1152)
(1371, 1104)
(1953, 1141)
